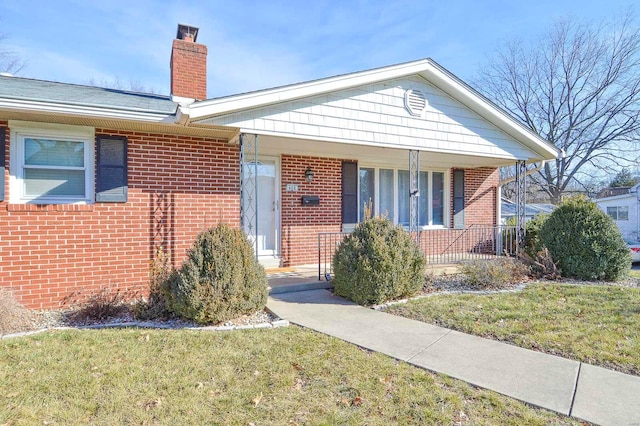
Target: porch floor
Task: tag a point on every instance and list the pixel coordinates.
(296, 278)
(305, 277)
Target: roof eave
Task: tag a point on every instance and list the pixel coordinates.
(85, 110)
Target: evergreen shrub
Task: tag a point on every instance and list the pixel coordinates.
(220, 280)
(378, 262)
(585, 242)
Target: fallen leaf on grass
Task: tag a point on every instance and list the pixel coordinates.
(357, 401)
(152, 404)
(385, 379)
(299, 384)
(257, 399)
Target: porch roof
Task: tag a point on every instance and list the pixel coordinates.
(247, 109)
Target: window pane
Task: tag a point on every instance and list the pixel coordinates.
(367, 190)
(613, 212)
(386, 193)
(39, 183)
(623, 213)
(403, 197)
(438, 198)
(47, 152)
(423, 200)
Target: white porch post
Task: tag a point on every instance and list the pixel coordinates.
(521, 195)
(414, 193)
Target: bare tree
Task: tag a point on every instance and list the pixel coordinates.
(10, 62)
(579, 88)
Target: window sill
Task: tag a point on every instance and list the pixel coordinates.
(50, 207)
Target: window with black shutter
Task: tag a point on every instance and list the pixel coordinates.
(111, 173)
(458, 199)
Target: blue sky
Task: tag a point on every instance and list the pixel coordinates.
(260, 44)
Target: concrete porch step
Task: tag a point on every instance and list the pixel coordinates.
(304, 286)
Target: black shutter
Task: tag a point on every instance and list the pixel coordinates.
(2, 160)
(111, 173)
(458, 199)
(349, 192)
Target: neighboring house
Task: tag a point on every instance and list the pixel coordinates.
(508, 210)
(97, 180)
(623, 205)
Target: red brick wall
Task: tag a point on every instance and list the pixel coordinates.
(479, 196)
(189, 69)
(301, 224)
(479, 217)
(177, 186)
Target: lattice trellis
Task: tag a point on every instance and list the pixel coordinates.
(249, 187)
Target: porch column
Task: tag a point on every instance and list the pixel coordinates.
(414, 193)
(521, 195)
(249, 187)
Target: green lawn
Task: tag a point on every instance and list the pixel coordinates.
(278, 376)
(595, 324)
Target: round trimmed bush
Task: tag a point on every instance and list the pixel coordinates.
(378, 262)
(220, 280)
(585, 242)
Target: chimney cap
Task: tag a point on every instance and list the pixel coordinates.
(185, 31)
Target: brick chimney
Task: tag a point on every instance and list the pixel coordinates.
(188, 65)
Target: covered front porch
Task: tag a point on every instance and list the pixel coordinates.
(409, 141)
(297, 191)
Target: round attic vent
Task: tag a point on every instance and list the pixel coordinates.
(415, 101)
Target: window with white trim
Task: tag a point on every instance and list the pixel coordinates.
(386, 190)
(618, 212)
(51, 164)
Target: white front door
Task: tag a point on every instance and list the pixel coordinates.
(268, 209)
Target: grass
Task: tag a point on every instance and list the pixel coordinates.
(634, 273)
(594, 324)
(278, 376)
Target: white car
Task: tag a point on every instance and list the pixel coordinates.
(634, 246)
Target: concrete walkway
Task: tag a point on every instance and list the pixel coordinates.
(572, 388)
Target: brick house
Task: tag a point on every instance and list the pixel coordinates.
(96, 180)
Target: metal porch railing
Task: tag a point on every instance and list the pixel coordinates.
(440, 246)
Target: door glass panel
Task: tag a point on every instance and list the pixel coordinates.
(386, 193)
(367, 190)
(266, 230)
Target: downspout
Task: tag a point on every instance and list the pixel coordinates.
(183, 115)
